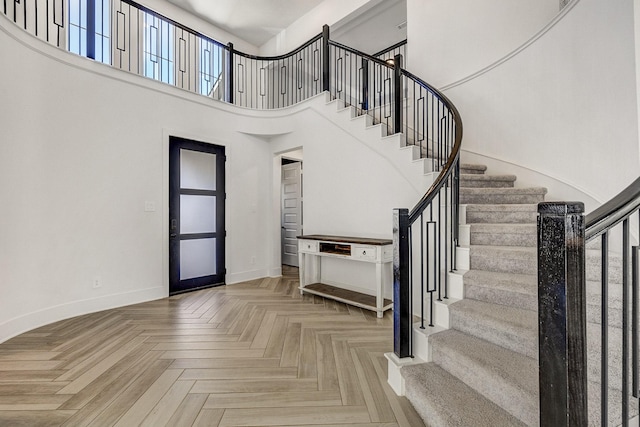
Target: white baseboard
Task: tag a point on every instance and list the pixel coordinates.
(36, 319)
(245, 276)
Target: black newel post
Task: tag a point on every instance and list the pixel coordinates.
(397, 93)
(562, 314)
(325, 57)
(230, 88)
(401, 291)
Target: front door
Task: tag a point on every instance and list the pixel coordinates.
(291, 221)
(196, 215)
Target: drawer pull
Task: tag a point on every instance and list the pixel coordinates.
(364, 252)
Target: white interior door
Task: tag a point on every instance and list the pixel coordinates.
(291, 209)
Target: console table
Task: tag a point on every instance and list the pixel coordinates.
(378, 251)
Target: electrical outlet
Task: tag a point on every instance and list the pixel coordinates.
(97, 283)
(253, 260)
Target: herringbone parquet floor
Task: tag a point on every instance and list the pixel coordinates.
(251, 354)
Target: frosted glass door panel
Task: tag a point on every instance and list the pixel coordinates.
(197, 170)
(197, 258)
(197, 214)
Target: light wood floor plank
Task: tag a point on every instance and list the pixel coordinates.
(209, 418)
(145, 404)
(204, 354)
(296, 416)
(187, 412)
(253, 353)
(291, 350)
(238, 374)
(247, 386)
(270, 400)
(107, 384)
(101, 367)
(277, 336)
(34, 418)
(129, 395)
(168, 405)
(225, 363)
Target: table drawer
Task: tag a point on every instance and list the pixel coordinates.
(367, 253)
(308, 246)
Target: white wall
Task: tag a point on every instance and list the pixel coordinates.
(564, 106)
(84, 146)
(328, 12)
(457, 38)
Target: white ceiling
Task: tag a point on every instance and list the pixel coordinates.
(255, 21)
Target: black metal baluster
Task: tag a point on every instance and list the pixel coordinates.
(625, 323)
(634, 316)
(604, 336)
(446, 239)
(422, 238)
(325, 58)
(397, 92)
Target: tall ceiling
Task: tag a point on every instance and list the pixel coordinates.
(255, 21)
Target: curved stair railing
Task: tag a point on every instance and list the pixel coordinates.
(134, 38)
(428, 235)
(566, 310)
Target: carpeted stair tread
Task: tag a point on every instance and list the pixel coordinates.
(527, 195)
(515, 290)
(506, 259)
(510, 327)
(469, 168)
(501, 213)
(443, 400)
(504, 234)
(507, 378)
(486, 181)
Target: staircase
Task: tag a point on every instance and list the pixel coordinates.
(483, 371)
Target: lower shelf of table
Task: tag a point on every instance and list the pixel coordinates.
(357, 299)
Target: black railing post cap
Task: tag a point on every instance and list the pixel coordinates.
(560, 208)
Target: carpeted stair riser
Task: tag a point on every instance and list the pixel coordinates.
(468, 168)
(504, 234)
(502, 195)
(521, 291)
(505, 259)
(509, 327)
(446, 401)
(524, 260)
(507, 378)
(486, 181)
(502, 214)
(515, 290)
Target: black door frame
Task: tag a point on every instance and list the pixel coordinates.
(176, 285)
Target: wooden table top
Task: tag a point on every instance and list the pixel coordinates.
(345, 239)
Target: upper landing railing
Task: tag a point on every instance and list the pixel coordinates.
(134, 38)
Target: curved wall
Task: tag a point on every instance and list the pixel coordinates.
(564, 106)
(84, 146)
